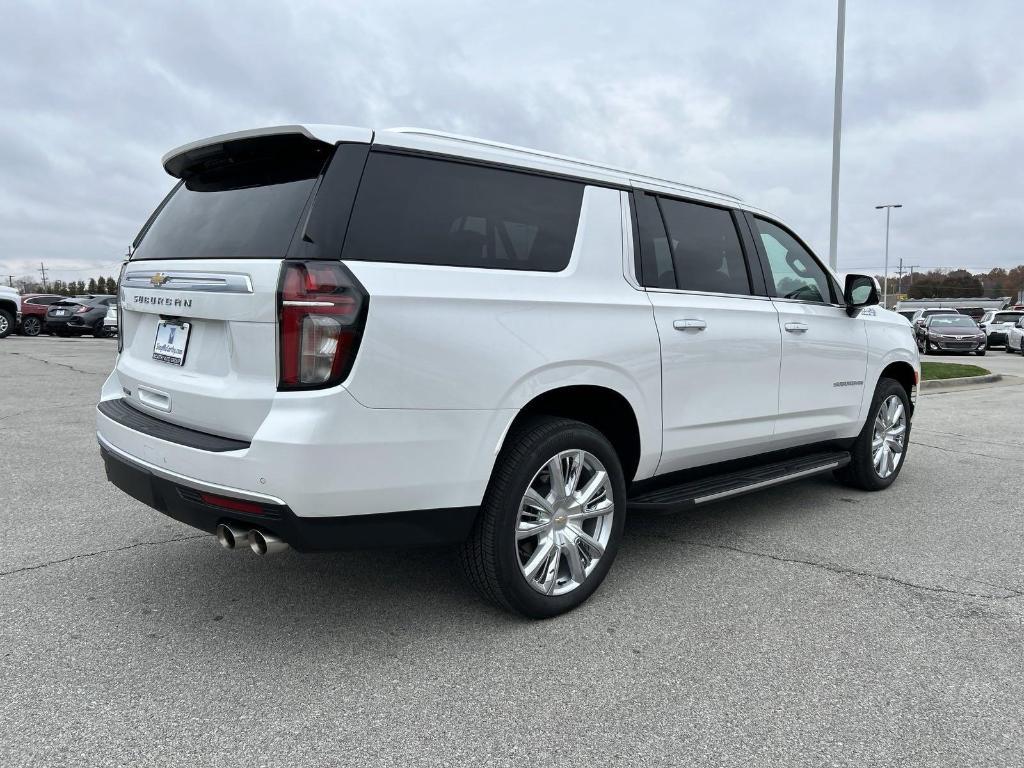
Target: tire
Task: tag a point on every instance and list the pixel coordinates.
(495, 556)
(99, 331)
(861, 472)
(6, 323)
(981, 352)
(31, 326)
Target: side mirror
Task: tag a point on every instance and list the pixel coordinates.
(860, 291)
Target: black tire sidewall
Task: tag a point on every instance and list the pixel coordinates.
(10, 323)
(503, 502)
(861, 456)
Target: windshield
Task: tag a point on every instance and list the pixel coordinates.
(951, 321)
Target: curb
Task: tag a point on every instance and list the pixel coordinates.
(966, 381)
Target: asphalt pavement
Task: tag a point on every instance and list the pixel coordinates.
(807, 625)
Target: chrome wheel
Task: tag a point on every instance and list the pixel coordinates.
(889, 438)
(4, 325)
(564, 522)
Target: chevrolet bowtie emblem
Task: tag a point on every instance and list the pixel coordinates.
(158, 279)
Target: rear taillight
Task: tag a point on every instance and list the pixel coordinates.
(82, 310)
(321, 312)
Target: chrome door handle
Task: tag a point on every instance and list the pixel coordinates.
(690, 323)
(796, 327)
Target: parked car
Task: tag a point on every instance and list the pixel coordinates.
(998, 324)
(110, 320)
(75, 317)
(33, 312)
(950, 333)
(335, 338)
(1015, 337)
(10, 310)
(920, 315)
(975, 313)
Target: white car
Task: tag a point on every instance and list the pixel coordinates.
(997, 325)
(336, 338)
(10, 310)
(110, 320)
(1015, 337)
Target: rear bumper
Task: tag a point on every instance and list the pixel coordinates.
(181, 499)
(997, 338)
(324, 455)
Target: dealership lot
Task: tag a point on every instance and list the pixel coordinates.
(809, 624)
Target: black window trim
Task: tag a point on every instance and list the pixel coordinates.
(497, 165)
(755, 278)
(836, 301)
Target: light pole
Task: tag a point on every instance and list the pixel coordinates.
(885, 280)
(837, 126)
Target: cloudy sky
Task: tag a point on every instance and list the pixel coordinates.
(735, 96)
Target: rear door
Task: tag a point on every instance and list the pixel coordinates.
(720, 342)
(824, 350)
(199, 296)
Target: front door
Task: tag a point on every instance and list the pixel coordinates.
(824, 350)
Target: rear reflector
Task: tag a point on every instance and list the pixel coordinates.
(236, 505)
(321, 312)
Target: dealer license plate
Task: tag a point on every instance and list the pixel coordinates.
(171, 342)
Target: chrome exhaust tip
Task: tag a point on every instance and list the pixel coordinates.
(265, 543)
(232, 536)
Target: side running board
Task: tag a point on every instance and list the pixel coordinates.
(678, 497)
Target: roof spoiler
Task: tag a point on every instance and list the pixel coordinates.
(178, 160)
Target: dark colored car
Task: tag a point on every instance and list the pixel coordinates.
(950, 333)
(33, 312)
(74, 317)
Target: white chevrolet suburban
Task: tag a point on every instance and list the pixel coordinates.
(335, 338)
(10, 310)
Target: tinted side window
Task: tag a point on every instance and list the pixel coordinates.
(705, 248)
(415, 210)
(795, 273)
(656, 257)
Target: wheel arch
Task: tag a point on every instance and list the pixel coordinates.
(904, 373)
(604, 409)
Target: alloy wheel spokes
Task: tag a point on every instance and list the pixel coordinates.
(889, 436)
(564, 522)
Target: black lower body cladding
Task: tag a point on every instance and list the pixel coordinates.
(415, 528)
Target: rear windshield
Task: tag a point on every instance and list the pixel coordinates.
(237, 205)
(1007, 317)
(417, 210)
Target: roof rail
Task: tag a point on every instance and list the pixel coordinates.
(458, 138)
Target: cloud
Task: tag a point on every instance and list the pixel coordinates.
(733, 96)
